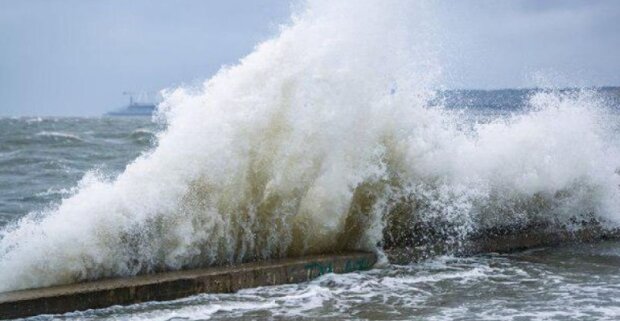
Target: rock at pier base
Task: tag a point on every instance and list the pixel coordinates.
(434, 241)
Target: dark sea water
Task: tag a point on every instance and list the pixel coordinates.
(42, 161)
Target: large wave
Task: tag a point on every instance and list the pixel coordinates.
(319, 141)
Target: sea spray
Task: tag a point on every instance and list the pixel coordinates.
(322, 139)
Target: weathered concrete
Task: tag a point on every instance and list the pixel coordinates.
(173, 285)
(431, 242)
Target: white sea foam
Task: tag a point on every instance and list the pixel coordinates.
(59, 136)
(306, 145)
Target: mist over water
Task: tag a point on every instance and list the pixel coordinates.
(318, 141)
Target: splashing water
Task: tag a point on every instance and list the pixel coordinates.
(318, 141)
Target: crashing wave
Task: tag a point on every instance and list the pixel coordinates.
(322, 139)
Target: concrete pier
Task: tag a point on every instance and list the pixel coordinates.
(174, 285)
(411, 245)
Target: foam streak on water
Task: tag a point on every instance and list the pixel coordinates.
(310, 144)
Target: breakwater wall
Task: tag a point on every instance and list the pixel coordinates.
(174, 285)
(416, 244)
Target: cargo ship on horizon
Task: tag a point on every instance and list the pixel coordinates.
(134, 108)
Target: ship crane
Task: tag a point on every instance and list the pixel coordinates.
(131, 94)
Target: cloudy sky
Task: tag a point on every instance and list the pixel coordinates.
(76, 57)
(499, 44)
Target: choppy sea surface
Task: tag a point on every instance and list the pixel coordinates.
(42, 161)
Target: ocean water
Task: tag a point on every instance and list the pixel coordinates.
(44, 160)
(336, 134)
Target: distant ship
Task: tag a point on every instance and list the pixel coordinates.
(134, 108)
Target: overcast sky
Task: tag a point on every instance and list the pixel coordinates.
(76, 57)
